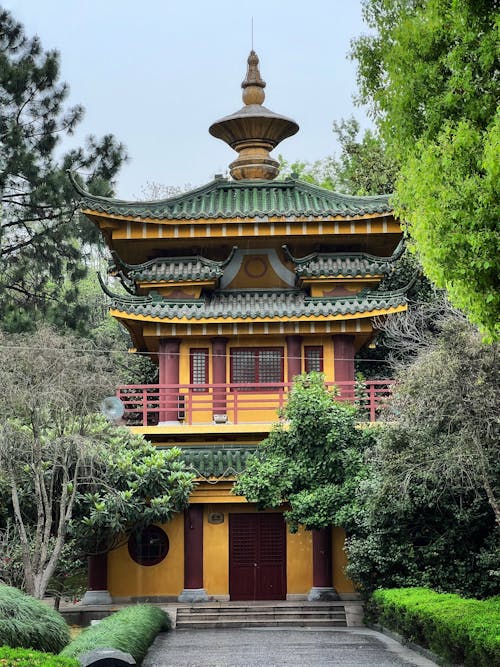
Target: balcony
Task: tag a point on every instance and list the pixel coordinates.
(240, 407)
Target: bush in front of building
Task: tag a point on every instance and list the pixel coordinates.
(460, 630)
(131, 630)
(29, 623)
(22, 657)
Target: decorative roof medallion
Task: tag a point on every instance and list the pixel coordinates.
(254, 130)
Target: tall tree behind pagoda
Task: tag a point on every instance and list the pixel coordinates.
(429, 71)
(41, 257)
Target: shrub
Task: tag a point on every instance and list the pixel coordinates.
(131, 630)
(22, 657)
(29, 623)
(458, 629)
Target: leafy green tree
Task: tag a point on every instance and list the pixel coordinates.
(428, 509)
(40, 235)
(313, 461)
(65, 473)
(429, 70)
(363, 166)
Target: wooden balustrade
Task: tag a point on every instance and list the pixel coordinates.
(242, 403)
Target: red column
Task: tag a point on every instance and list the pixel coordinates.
(219, 375)
(343, 364)
(322, 558)
(322, 566)
(97, 580)
(169, 374)
(293, 356)
(193, 555)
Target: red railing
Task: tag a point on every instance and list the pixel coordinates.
(235, 403)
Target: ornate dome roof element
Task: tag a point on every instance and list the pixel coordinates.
(254, 130)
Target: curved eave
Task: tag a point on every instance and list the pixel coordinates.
(374, 312)
(244, 199)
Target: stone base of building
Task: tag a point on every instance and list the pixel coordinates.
(96, 597)
(320, 594)
(193, 595)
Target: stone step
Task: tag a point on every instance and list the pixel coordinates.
(262, 612)
(258, 617)
(196, 609)
(255, 623)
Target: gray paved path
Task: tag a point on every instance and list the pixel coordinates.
(268, 647)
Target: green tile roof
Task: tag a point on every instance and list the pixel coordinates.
(345, 264)
(253, 305)
(176, 269)
(222, 198)
(215, 461)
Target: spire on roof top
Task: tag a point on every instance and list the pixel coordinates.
(254, 130)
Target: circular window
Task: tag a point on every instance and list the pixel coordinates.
(148, 546)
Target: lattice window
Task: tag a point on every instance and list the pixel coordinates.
(148, 546)
(255, 366)
(199, 367)
(313, 357)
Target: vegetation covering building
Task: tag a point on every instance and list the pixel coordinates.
(234, 288)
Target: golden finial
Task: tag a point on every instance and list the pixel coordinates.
(254, 130)
(253, 85)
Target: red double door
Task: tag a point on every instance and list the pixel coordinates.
(257, 557)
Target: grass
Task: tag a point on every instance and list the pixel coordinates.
(29, 623)
(131, 630)
(457, 629)
(22, 657)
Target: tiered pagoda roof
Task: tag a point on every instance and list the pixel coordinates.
(222, 198)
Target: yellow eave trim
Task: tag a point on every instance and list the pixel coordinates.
(119, 314)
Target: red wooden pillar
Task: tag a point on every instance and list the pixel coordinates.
(193, 556)
(219, 375)
(97, 580)
(293, 356)
(343, 364)
(168, 375)
(322, 566)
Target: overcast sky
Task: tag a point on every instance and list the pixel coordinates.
(157, 73)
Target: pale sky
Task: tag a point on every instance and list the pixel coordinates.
(157, 73)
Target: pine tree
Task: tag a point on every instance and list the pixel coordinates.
(41, 239)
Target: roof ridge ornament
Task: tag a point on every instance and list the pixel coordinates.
(254, 130)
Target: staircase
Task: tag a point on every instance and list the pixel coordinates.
(261, 614)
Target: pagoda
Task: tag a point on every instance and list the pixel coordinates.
(233, 289)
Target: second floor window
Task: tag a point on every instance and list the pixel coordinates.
(255, 366)
(199, 367)
(313, 359)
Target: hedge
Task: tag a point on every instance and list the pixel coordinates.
(131, 630)
(29, 623)
(22, 657)
(459, 630)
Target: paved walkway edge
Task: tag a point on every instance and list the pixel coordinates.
(425, 652)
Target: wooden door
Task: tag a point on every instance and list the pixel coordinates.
(257, 557)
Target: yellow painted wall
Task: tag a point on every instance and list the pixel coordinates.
(340, 582)
(127, 578)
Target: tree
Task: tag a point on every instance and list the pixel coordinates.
(431, 499)
(313, 461)
(40, 235)
(362, 168)
(429, 72)
(58, 462)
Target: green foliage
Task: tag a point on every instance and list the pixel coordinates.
(313, 461)
(40, 236)
(21, 657)
(29, 623)
(429, 70)
(131, 630)
(136, 484)
(362, 168)
(426, 513)
(459, 630)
